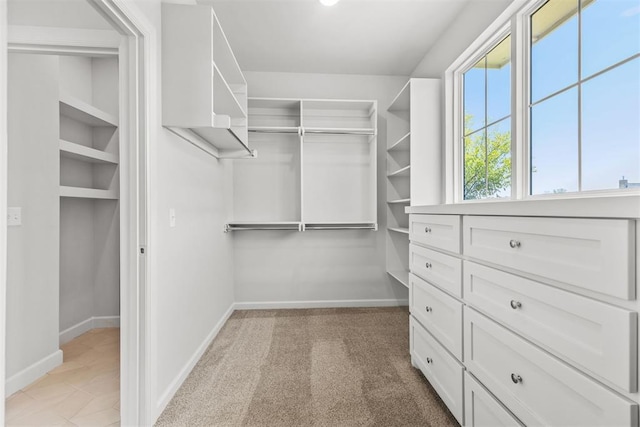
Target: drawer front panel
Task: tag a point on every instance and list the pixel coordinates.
(441, 369)
(597, 255)
(440, 313)
(597, 337)
(481, 409)
(536, 387)
(438, 231)
(438, 269)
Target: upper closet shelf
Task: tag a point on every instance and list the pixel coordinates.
(83, 112)
(86, 154)
(403, 144)
(204, 97)
(88, 193)
(402, 100)
(400, 172)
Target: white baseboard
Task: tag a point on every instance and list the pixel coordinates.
(31, 373)
(186, 370)
(274, 305)
(86, 325)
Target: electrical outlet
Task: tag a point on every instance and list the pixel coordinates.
(14, 216)
(172, 217)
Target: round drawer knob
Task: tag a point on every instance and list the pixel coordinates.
(514, 244)
(516, 378)
(428, 265)
(429, 309)
(429, 360)
(427, 230)
(515, 304)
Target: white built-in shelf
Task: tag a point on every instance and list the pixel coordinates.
(400, 201)
(204, 93)
(402, 101)
(402, 144)
(86, 154)
(274, 129)
(87, 193)
(401, 276)
(81, 111)
(400, 172)
(399, 230)
(225, 101)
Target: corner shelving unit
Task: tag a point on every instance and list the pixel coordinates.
(89, 167)
(204, 90)
(315, 156)
(413, 157)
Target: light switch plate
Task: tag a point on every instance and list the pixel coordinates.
(14, 216)
(172, 217)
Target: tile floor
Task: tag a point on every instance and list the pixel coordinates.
(83, 391)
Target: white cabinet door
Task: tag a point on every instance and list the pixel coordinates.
(437, 268)
(442, 370)
(538, 388)
(481, 409)
(595, 336)
(597, 255)
(438, 231)
(440, 314)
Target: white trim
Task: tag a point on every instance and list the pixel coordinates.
(87, 325)
(168, 394)
(29, 39)
(274, 305)
(3, 196)
(31, 373)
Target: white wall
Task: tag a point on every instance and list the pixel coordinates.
(474, 18)
(33, 282)
(190, 267)
(276, 266)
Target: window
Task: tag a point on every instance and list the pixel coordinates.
(558, 113)
(487, 127)
(584, 95)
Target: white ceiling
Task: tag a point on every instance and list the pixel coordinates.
(379, 37)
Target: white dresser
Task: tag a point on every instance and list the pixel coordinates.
(527, 319)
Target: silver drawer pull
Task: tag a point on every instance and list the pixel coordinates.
(514, 243)
(427, 230)
(428, 265)
(429, 309)
(429, 360)
(516, 378)
(515, 304)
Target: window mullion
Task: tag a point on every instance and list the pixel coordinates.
(579, 95)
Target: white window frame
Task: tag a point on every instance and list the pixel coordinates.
(514, 21)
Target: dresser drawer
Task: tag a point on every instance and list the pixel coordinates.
(438, 269)
(440, 313)
(442, 370)
(597, 337)
(535, 386)
(481, 409)
(597, 254)
(438, 231)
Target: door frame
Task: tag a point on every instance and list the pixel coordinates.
(135, 50)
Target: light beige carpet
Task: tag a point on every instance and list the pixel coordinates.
(318, 367)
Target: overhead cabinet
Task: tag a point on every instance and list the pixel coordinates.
(204, 93)
(316, 170)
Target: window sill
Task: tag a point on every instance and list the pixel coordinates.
(611, 206)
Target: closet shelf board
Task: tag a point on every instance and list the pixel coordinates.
(400, 201)
(224, 100)
(402, 144)
(79, 110)
(400, 172)
(399, 230)
(401, 276)
(86, 154)
(87, 193)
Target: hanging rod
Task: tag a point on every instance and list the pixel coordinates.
(337, 131)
